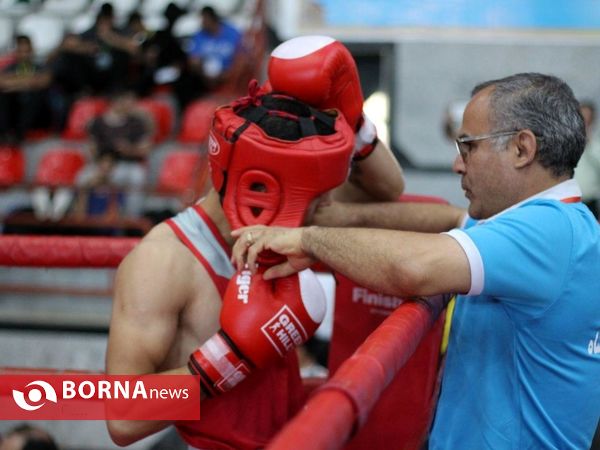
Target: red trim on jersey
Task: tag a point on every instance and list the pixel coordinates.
(571, 200)
(220, 282)
(213, 227)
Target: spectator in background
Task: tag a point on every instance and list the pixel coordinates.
(23, 94)
(211, 55)
(27, 437)
(587, 172)
(213, 48)
(97, 196)
(121, 140)
(138, 34)
(162, 59)
(136, 29)
(95, 60)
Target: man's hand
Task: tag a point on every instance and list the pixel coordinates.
(284, 241)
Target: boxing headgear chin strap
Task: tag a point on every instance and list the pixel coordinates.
(290, 173)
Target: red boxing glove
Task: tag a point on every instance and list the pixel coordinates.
(321, 72)
(260, 322)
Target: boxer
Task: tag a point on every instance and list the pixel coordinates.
(179, 305)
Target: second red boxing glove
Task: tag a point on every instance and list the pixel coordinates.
(321, 71)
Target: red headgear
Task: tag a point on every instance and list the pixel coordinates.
(267, 180)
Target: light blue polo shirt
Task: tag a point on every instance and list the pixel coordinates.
(522, 368)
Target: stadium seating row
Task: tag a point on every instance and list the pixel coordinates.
(192, 129)
(180, 171)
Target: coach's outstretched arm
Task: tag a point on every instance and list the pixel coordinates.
(422, 217)
(391, 262)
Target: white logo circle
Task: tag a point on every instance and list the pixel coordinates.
(35, 396)
(213, 145)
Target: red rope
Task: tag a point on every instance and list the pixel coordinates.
(344, 402)
(61, 251)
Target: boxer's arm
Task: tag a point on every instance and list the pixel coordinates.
(143, 326)
(378, 177)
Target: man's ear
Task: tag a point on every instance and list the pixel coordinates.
(525, 149)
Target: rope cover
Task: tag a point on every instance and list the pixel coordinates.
(63, 251)
(344, 401)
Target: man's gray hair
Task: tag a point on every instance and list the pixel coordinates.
(545, 105)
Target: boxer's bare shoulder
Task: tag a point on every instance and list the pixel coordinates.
(161, 290)
(162, 263)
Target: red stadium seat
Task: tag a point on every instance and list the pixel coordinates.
(162, 114)
(7, 59)
(82, 112)
(59, 167)
(183, 173)
(37, 134)
(196, 121)
(12, 166)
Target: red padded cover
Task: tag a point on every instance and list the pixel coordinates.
(403, 414)
(401, 417)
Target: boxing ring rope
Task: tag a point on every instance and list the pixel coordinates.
(63, 251)
(343, 402)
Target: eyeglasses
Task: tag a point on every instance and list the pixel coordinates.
(463, 144)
